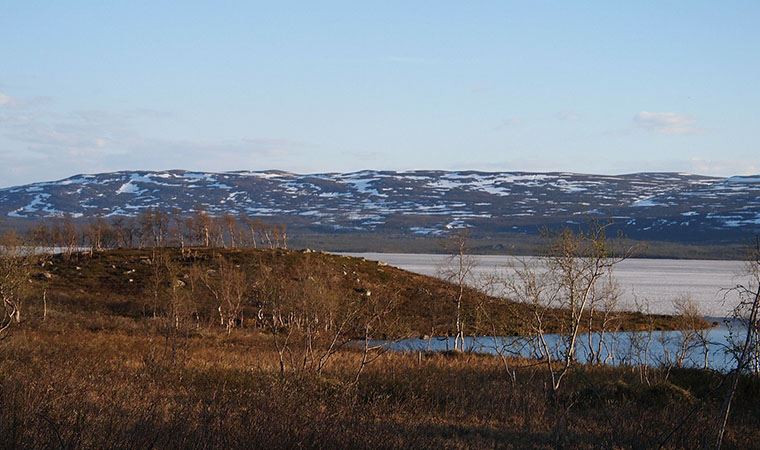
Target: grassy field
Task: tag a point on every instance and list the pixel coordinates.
(124, 383)
(99, 366)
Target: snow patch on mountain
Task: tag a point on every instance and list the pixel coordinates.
(420, 202)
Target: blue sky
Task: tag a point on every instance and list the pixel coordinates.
(586, 86)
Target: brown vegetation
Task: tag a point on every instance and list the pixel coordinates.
(117, 280)
(238, 348)
(118, 382)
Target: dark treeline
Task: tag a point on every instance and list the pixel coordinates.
(155, 228)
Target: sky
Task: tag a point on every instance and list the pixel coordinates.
(583, 86)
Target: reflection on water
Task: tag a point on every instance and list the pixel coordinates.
(710, 348)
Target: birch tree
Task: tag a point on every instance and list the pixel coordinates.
(574, 278)
(16, 263)
(458, 270)
(747, 312)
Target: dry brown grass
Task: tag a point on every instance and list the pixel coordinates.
(99, 372)
(425, 305)
(128, 386)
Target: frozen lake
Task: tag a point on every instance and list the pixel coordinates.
(658, 281)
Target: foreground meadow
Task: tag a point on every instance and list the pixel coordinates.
(119, 383)
(170, 348)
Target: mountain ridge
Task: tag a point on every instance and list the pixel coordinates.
(652, 205)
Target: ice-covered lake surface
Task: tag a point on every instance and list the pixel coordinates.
(656, 281)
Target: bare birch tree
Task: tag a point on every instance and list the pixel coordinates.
(16, 263)
(228, 285)
(562, 288)
(747, 312)
(458, 270)
(691, 334)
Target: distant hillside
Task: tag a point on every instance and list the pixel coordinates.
(655, 206)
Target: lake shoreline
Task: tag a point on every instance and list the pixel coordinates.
(653, 283)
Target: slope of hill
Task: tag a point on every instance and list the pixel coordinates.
(121, 283)
(657, 206)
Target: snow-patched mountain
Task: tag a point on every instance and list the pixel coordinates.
(417, 202)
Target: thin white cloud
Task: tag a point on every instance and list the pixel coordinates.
(6, 100)
(508, 123)
(40, 143)
(666, 123)
(568, 115)
(724, 167)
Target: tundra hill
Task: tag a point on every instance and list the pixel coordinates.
(119, 285)
(669, 207)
